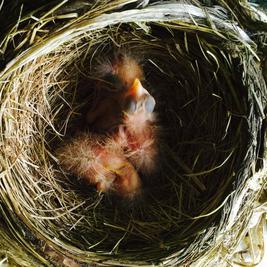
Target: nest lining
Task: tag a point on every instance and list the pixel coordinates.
(206, 135)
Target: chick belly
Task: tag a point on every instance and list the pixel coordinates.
(142, 152)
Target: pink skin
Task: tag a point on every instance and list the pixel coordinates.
(138, 133)
(115, 173)
(101, 162)
(142, 147)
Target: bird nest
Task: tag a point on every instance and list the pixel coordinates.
(210, 96)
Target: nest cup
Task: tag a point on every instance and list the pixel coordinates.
(210, 97)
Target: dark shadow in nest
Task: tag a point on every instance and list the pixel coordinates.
(203, 115)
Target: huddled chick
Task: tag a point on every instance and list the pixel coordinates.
(123, 138)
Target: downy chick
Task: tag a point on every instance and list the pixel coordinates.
(100, 161)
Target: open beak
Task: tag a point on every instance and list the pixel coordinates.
(137, 90)
(138, 97)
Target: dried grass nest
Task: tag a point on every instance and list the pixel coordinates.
(205, 76)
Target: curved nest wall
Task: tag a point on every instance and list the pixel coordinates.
(210, 95)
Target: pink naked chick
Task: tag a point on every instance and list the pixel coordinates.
(138, 134)
(101, 162)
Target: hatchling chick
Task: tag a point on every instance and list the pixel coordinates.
(116, 76)
(139, 133)
(100, 161)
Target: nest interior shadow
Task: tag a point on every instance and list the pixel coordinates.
(202, 110)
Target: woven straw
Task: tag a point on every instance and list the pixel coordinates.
(205, 73)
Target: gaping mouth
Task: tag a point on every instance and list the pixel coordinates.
(137, 97)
